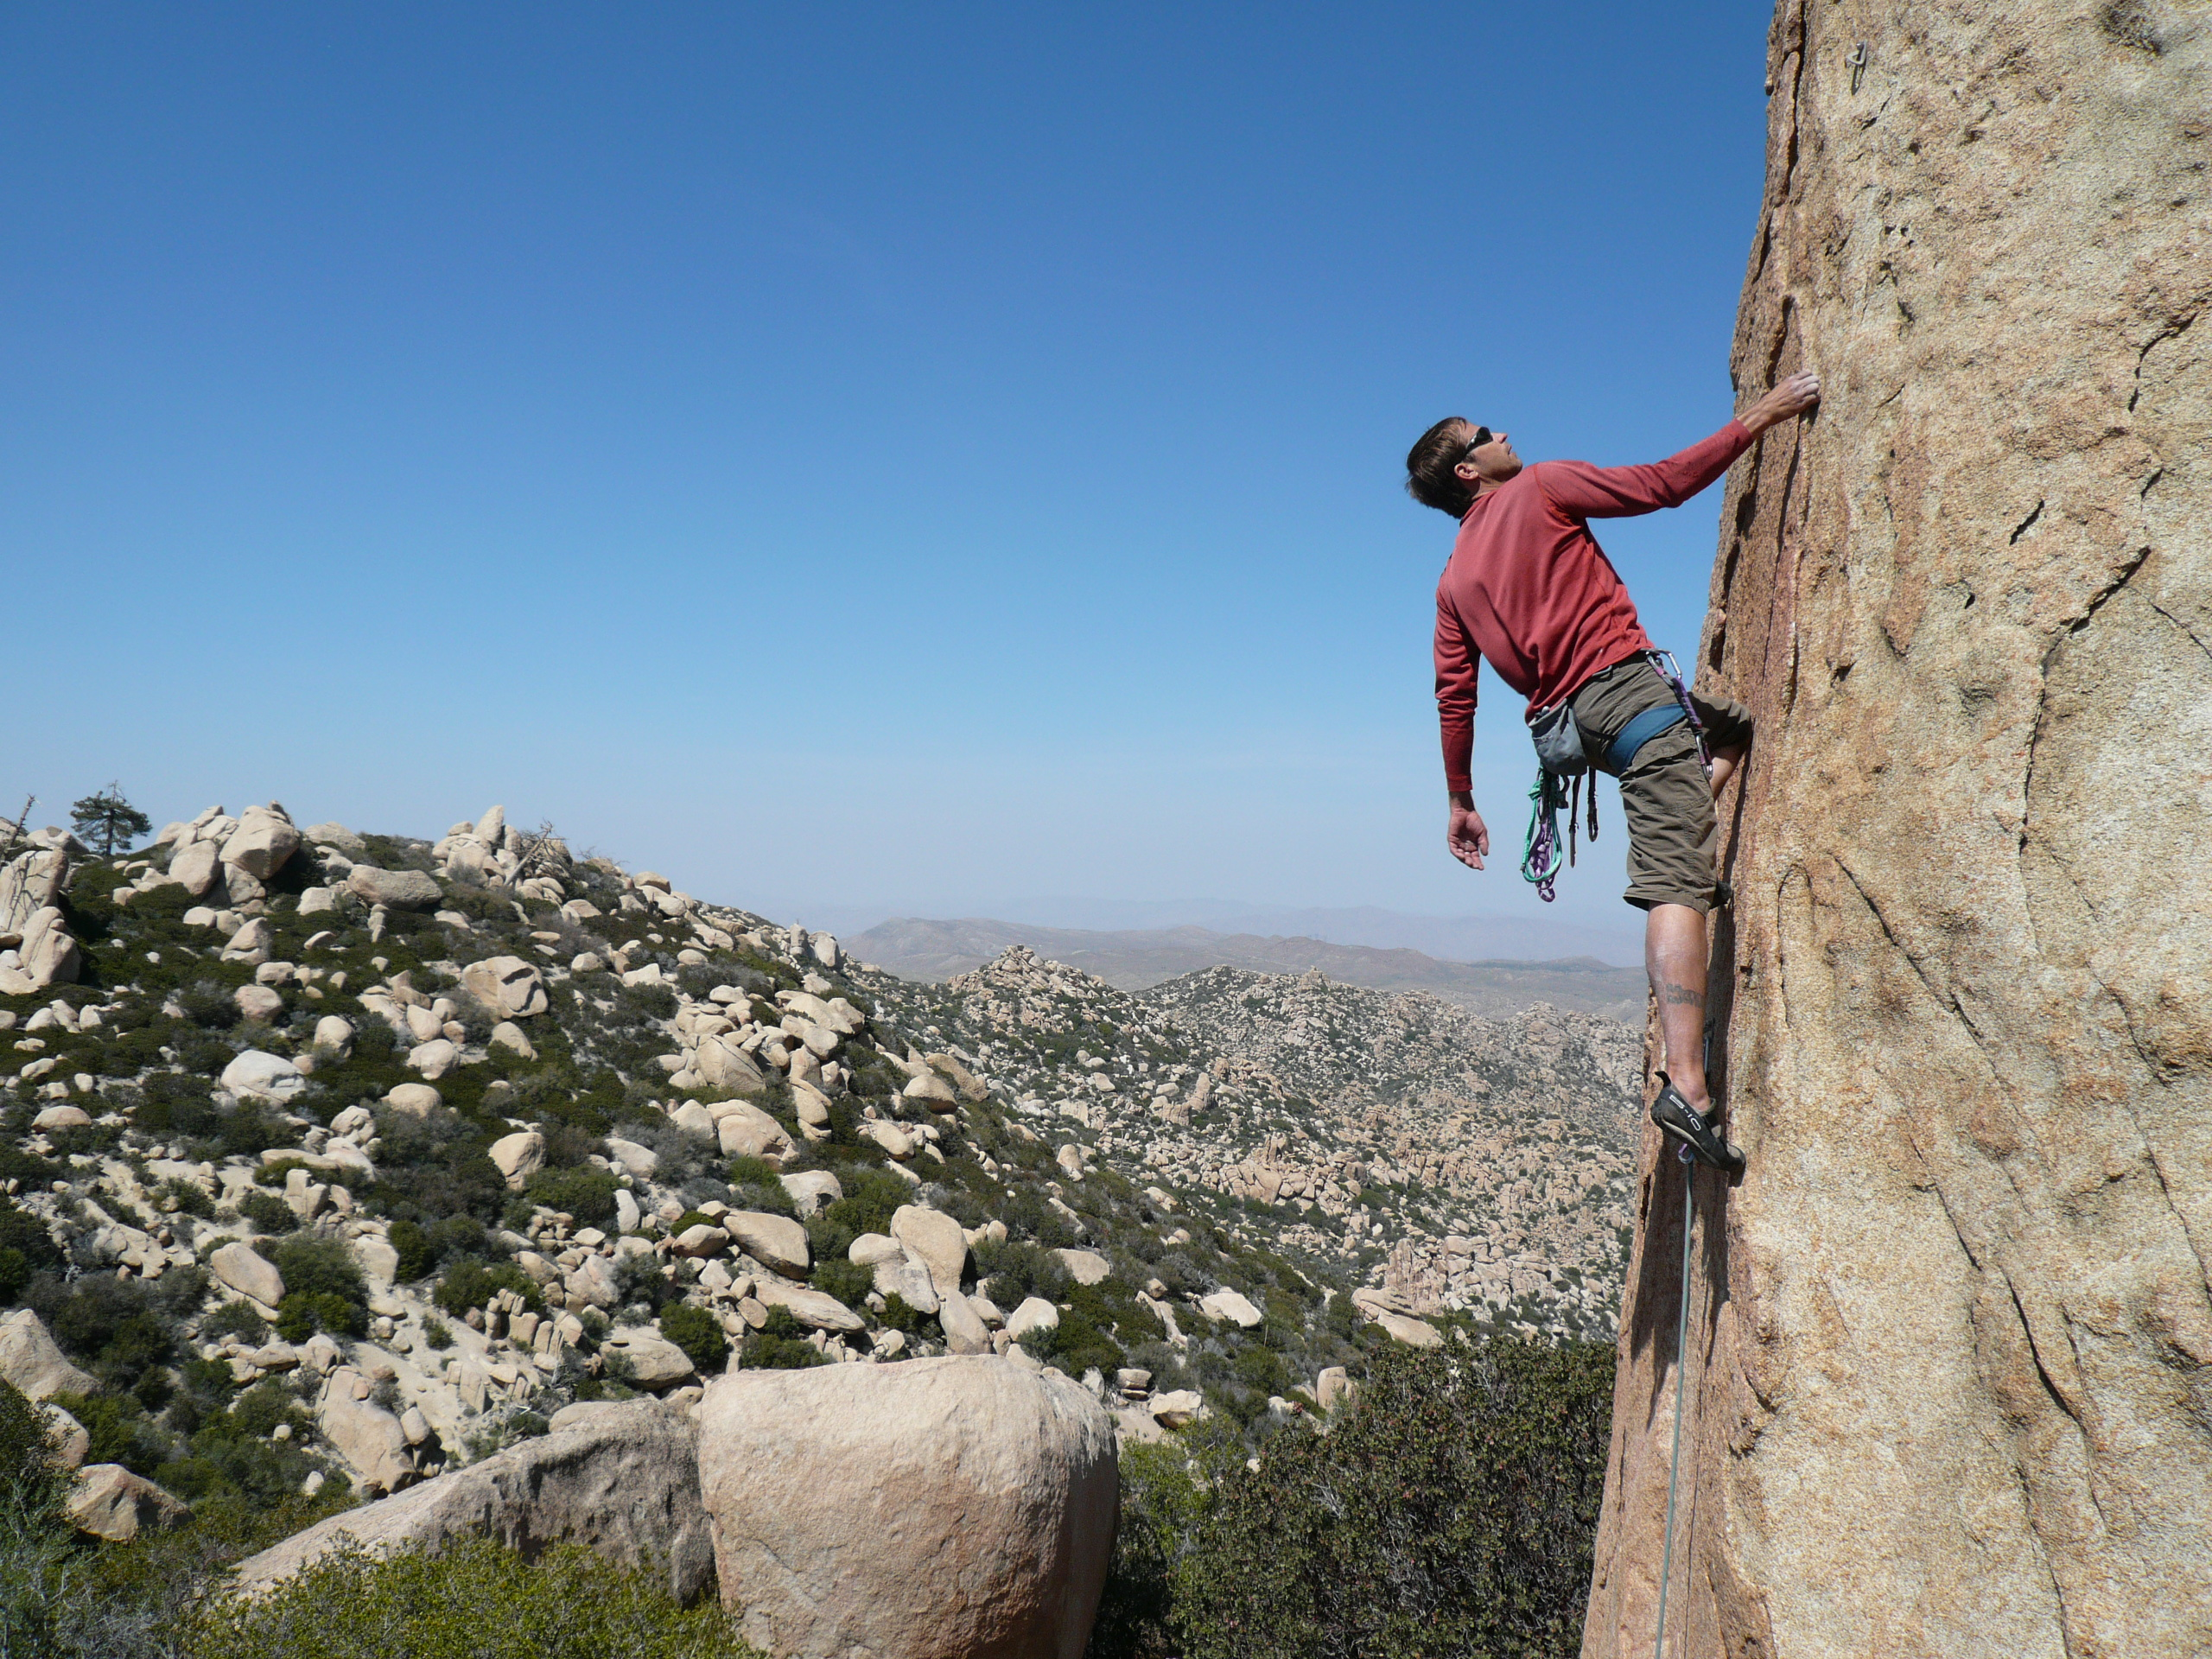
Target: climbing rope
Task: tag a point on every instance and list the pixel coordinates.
(1681, 1375)
(1539, 857)
(1549, 796)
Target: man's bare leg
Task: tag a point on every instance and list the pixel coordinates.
(1675, 955)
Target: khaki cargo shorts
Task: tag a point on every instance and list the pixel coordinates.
(1664, 794)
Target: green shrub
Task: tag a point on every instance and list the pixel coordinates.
(698, 1333)
(470, 1284)
(848, 1282)
(638, 1279)
(1167, 1489)
(209, 1005)
(754, 1186)
(189, 1198)
(24, 1249)
(302, 1313)
(36, 1544)
(248, 1131)
(1016, 1269)
(445, 1240)
(1451, 1511)
(314, 1262)
(1262, 1369)
(179, 1101)
(640, 1003)
(231, 1451)
(826, 1240)
(17, 1164)
(323, 1289)
(116, 1327)
(118, 1429)
(780, 1345)
(752, 1171)
(1079, 1343)
(418, 1254)
(1340, 1317)
(268, 1213)
(24, 1451)
(477, 1600)
(234, 1320)
(871, 1195)
(438, 1183)
(585, 1192)
(899, 1314)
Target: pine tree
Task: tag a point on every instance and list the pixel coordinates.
(108, 822)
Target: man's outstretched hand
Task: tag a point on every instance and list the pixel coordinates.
(1792, 398)
(1466, 834)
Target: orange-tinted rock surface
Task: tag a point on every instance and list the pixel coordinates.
(1950, 1345)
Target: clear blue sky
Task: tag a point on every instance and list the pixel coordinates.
(841, 456)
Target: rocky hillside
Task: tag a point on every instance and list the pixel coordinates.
(334, 1160)
(1439, 1157)
(1137, 959)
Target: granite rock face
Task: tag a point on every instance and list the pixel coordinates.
(1950, 1346)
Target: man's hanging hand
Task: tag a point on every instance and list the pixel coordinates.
(1466, 834)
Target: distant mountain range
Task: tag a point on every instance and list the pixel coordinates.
(1492, 937)
(1137, 959)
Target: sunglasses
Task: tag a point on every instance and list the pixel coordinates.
(1482, 436)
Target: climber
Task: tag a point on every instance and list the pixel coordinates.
(1528, 587)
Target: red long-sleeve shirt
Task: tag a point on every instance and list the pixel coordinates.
(1528, 587)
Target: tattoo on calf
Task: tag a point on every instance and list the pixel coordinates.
(1681, 996)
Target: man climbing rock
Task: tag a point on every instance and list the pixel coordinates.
(1528, 587)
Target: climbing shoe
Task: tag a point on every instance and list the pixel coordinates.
(1688, 1125)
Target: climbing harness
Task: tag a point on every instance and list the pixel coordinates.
(1663, 664)
(1682, 1376)
(1563, 762)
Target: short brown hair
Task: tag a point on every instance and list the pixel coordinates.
(1429, 478)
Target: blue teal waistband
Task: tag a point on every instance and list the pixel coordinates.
(1638, 732)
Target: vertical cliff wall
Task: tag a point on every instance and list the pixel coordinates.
(1950, 1347)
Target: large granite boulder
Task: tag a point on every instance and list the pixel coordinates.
(1950, 1355)
(47, 955)
(367, 1436)
(507, 985)
(31, 1360)
(237, 1266)
(396, 889)
(262, 844)
(29, 883)
(621, 1478)
(937, 1240)
(746, 1131)
(108, 1501)
(938, 1509)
